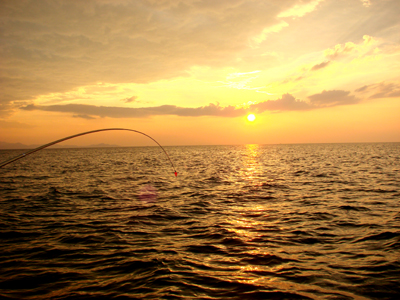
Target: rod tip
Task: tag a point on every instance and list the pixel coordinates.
(176, 174)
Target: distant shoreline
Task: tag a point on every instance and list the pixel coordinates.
(20, 146)
(17, 146)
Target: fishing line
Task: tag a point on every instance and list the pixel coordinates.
(79, 134)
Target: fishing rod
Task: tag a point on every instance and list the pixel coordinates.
(80, 134)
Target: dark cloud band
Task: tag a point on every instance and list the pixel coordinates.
(286, 103)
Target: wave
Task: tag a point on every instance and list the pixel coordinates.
(281, 222)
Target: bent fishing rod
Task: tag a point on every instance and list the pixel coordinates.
(80, 134)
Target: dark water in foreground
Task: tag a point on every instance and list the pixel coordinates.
(239, 222)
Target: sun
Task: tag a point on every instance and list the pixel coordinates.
(251, 117)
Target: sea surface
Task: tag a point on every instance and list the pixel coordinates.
(309, 221)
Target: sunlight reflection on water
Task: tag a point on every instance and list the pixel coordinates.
(239, 222)
(251, 165)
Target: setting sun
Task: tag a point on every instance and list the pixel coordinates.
(150, 106)
(251, 117)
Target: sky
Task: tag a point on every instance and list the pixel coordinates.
(188, 72)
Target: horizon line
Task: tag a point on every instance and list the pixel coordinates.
(21, 146)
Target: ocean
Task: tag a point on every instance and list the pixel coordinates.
(305, 221)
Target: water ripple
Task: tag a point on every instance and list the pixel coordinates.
(239, 222)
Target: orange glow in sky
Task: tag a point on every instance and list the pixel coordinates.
(191, 72)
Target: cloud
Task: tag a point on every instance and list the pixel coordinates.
(300, 10)
(346, 53)
(266, 31)
(87, 117)
(320, 66)
(57, 46)
(342, 50)
(91, 111)
(366, 3)
(50, 47)
(325, 99)
(362, 89)
(286, 103)
(130, 99)
(381, 90)
(332, 98)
